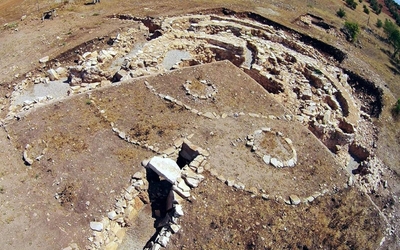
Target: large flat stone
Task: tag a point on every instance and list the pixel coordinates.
(165, 167)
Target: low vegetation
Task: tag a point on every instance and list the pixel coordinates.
(396, 108)
(379, 23)
(341, 13)
(366, 10)
(352, 4)
(10, 26)
(375, 6)
(352, 29)
(393, 36)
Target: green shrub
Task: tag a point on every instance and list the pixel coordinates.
(351, 4)
(393, 36)
(366, 10)
(352, 30)
(379, 23)
(397, 107)
(341, 13)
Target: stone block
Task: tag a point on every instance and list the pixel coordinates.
(166, 168)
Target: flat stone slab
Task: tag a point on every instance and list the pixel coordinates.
(166, 168)
(294, 199)
(96, 226)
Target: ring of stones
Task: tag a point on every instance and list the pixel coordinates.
(282, 155)
(202, 89)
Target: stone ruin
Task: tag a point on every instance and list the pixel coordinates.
(165, 185)
(317, 93)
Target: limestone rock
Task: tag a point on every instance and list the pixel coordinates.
(183, 186)
(265, 196)
(181, 193)
(44, 59)
(192, 182)
(166, 168)
(112, 215)
(80, 74)
(178, 211)
(163, 240)
(267, 159)
(239, 185)
(276, 163)
(156, 246)
(145, 162)
(96, 226)
(169, 151)
(230, 182)
(209, 115)
(175, 228)
(121, 75)
(294, 199)
(61, 71)
(53, 75)
(27, 160)
(137, 176)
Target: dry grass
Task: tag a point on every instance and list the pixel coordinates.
(227, 221)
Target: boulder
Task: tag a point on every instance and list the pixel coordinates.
(44, 59)
(166, 168)
(61, 71)
(175, 228)
(267, 159)
(53, 75)
(27, 160)
(192, 182)
(112, 215)
(96, 226)
(294, 199)
(178, 211)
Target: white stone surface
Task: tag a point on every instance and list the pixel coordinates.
(96, 226)
(166, 168)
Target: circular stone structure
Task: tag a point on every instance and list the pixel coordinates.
(202, 89)
(273, 148)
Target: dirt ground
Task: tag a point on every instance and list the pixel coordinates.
(86, 164)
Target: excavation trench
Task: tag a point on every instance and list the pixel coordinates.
(269, 84)
(367, 92)
(170, 182)
(149, 22)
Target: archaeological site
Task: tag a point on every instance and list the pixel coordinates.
(196, 125)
